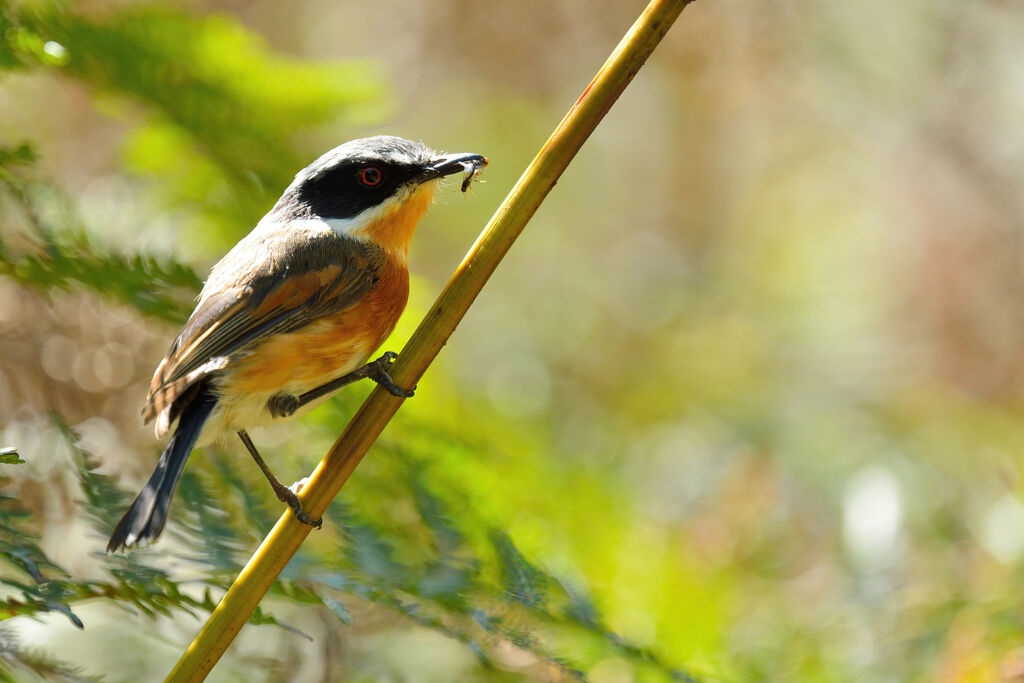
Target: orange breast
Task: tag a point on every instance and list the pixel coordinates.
(328, 348)
(394, 229)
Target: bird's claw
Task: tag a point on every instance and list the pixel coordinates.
(380, 375)
(301, 515)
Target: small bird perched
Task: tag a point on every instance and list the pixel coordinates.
(294, 311)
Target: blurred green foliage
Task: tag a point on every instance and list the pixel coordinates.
(62, 255)
(453, 573)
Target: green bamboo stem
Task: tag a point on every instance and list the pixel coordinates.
(462, 289)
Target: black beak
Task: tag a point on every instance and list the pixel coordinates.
(448, 164)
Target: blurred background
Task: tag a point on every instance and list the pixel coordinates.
(743, 402)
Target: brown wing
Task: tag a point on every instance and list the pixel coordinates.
(296, 282)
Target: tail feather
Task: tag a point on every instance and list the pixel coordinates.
(146, 517)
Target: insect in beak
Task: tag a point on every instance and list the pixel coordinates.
(471, 169)
(471, 165)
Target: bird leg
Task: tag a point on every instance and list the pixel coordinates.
(284, 494)
(285, 405)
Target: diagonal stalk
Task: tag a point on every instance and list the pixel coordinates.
(369, 421)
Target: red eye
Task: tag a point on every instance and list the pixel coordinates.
(371, 176)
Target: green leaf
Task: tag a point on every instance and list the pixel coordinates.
(339, 609)
(9, 456)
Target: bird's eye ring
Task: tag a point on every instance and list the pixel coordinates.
(371, 176)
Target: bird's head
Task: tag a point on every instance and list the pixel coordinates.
(373, 188)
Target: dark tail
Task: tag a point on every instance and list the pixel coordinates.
(145, 519)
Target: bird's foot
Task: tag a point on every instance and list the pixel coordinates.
(287, 495)
(378, 371)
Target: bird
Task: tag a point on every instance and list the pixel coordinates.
(293, 312)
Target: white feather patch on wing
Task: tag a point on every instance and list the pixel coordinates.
(163, 420)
